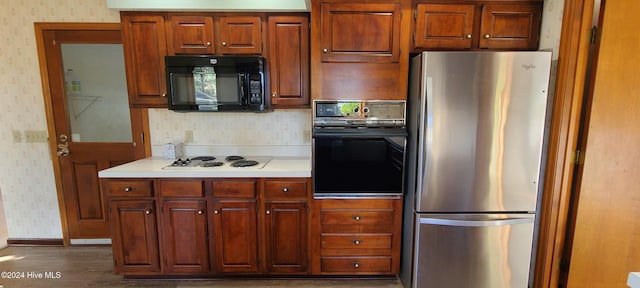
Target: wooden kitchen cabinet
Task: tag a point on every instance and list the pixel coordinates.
(472, 25)
(240, 35)
(187, 34)
(236, 235)
(289, 61)
(286, 225)
(184, 224)
(144, 43)
(134, 237)
(356, 237)
(359, 49)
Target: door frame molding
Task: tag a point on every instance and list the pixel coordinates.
(564, 135)
(142, 123)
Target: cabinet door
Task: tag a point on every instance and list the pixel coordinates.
(510, 26)
(360, 32)
(440, 26)
(240, 35)
(144, 45)
(236, 236)
(135, 237)
(289, 60)
(190, 35)
(286, 237)
(185, 236)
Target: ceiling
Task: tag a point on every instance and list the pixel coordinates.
(210, 5)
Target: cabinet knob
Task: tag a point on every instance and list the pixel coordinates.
(487, 36)
(128, 189)
(325, 50)
(285, 189)
(273, 95)
(356, 265)
(356, 217)
(148, 211)
(200, 212)
(216, 212)
(468, 36)
(208, 43)
(268, 212)
(224, 43)
(164, 94)
(356, 242)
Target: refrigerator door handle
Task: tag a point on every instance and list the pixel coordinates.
(476, 223)
(425, 140)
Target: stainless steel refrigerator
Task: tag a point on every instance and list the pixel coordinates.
(475, 148)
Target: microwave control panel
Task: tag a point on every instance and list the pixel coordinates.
(255, 89)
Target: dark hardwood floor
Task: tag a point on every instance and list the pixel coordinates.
(92, 266)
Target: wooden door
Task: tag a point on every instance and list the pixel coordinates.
(184, 225)
(360, 32)
(444, 26)
(289, 60)
(514, 27)
(286, 237)
(135, 237)
(90, 124)
(190, 35)
(144, 49)
(240, 35)
(606, 242)
(236, 236)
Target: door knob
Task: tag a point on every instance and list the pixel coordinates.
(63, 149)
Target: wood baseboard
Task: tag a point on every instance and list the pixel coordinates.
(34, 242)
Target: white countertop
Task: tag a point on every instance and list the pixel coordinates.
(152, 168)
(634, 280)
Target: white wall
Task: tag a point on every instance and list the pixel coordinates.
(26, 173)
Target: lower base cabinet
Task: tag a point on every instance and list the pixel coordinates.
(272, 226)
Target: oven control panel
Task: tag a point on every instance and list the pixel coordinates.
(359, 113)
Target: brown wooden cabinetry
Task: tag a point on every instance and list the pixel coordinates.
(357, 49)
(240, 35)
(144, 43)
(470, 25)
(133, 226)
(356, 237)
(286, 225)
(190, 35)
(289, 60)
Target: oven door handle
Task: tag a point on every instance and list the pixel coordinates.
(358, 133)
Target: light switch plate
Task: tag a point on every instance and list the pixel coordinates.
(188, 136)
(35, 136)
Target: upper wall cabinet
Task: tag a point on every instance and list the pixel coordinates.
(240, 35)
(190, 35)
(359, 49)
(144, 43)
(471, 25)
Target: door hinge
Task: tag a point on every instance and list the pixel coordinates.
(415, 14)
(142, 138)
(594, 34)
(578, 158)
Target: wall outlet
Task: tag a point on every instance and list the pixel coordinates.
(188, 136)
(17, 136)
(306, 136)
(35, 136)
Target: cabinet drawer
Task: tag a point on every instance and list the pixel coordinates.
(355, 265)
(130, 188)
(357, 217)
(356, 241)
(181, 188)
(235, 188)
(285, 189)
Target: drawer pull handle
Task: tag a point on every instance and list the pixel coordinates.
(356, 217)
(128, 189)
(357, 242)
(356, 265)
(148, 211)
(285, 189)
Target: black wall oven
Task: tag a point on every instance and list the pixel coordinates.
(358, 148)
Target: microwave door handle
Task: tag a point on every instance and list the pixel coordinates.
(241, 83)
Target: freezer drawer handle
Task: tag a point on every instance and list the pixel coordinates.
(497, 222)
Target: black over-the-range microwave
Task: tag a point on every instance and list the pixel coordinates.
(216, 83)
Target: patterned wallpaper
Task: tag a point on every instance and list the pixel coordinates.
(26, 173)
